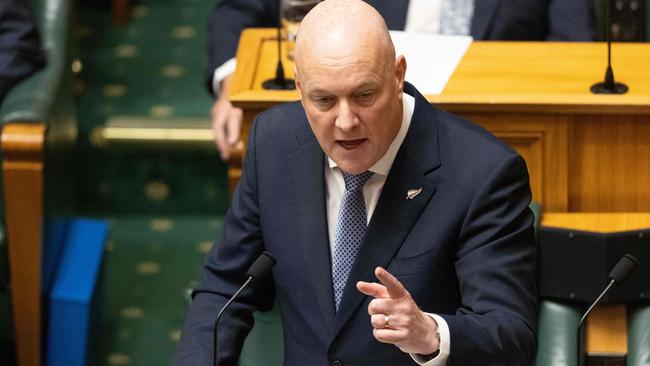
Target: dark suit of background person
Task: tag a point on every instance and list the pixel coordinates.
(463, 247)
(20, 51)
(556, 20)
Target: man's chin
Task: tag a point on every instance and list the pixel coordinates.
(354, 161)
(353, 167)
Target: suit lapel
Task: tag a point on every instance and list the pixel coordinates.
(307, 174)
(484, 12)
(395, 215)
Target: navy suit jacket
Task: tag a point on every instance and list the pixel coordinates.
(558, 20)
(20, 49)
(463, 247)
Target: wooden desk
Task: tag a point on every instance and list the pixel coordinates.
(584, 152)
(607, 325)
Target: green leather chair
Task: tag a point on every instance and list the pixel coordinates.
(558, 324)
(264, 345)
(556, 333)
(39, 130)
(638, 336)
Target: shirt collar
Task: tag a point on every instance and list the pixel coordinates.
(383, 165)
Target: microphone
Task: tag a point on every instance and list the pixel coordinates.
(279, 82)
(609, 86)
(621, 271)
(258, 270)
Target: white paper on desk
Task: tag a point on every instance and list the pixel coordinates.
(430, 58)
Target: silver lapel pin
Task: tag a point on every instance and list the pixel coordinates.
(412, 193)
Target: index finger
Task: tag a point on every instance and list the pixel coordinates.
(372, 289)
(394, 288)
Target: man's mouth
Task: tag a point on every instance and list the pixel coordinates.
(351, 144)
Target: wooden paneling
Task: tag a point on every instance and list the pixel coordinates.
(599, 222)
(610, 163)
(22, 169)
(542, 141)
(607, 329)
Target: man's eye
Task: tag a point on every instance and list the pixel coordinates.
(364, 97)
(322, 100)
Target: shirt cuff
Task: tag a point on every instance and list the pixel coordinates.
(445, 345)
(221, 72)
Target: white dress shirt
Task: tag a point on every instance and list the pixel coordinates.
(422, 16)
(335, 187)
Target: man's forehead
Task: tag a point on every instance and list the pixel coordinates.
(357, 64)
(330, 53)
(324, 82)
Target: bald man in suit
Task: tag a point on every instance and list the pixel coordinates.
(402, 233)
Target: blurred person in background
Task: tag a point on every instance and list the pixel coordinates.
(20, 50)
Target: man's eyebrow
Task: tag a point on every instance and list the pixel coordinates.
(318, 92)
(366, 85)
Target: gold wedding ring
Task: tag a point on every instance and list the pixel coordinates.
(386, 322)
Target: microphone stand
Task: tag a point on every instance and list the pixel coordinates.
(582, 320)
(259, 269)
(279, 82)
(619, 273)
(609, 86)
(216, 320)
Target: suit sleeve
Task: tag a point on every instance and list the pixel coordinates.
(228, 19)
(496, 269)
(224, 272)
(571, 20)
(20, 49)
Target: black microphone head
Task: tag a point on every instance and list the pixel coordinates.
(262, 266)
(623, 268)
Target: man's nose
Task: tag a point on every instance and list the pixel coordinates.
(346, 119)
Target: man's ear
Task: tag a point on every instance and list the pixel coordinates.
(298, 84)
(400, 71)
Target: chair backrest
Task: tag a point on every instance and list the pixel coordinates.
(556, 334)
(638, 349)
(264, 344)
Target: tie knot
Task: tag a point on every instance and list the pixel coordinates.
(354, 182)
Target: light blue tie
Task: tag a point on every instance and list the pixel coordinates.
(350, 230)
(456, 17)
